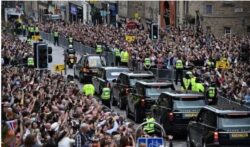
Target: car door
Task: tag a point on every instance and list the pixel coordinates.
(78, 66)
(96, 80)
(136, 97)
(156, 109)
(116, 84)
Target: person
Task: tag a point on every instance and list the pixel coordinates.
(30, 61)
(124, 58)
(198, 86)
(186, 81)
(36, 30)
(56, 38)
(64, 140)
(70, 40)
(88, 89)
(117, 56)
(149, 128)
(211, 94)
(147, 63)
(82, 138)
(106, 96)
(24, 30)
(98, 49)
(179, 70)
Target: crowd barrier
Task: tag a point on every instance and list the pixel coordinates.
(79, 47)
(165, 74)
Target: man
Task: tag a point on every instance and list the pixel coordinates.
(56, 38)
(149, 128)
(117, 56)
(37, 31)
(106, 96)
(70, 40)
(186, 81)
(82, 138)
(211, 94)
(198, 86)
(124, 58)
(88, 89)
(24, 30)
(30, 61)
(98, 49)
(179, 70)
(147, 63)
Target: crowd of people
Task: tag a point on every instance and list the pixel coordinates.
(40, 108)
(195, 47)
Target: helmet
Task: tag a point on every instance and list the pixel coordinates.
(70, 46)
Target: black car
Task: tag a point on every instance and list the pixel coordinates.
(220, 125)
(174, 110)
(88, 66)
(143, 96)
(124, 83)
(105, 76)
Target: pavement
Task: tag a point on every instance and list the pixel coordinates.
(58, 58)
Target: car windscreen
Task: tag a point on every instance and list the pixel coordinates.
(71, 51)
(185, 103)
(96, 61)
(113, 74)
(234, 122)
(156, 91)
(133, 80)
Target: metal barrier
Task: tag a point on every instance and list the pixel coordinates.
(165, 74)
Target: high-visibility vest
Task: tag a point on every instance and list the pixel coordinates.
(37, 30)
(124, 57)
(98, 49)
(29, 41)
(70, 39)
(88, 89)
(30, 61)
(211, 92)
(150, 126)
(186, 83)
(198, 87)
(24, 27)
(117, 52)
(193, 79)
(56, 34)
(105, 93)
(147, 62)
(178, 64)
(31, 29)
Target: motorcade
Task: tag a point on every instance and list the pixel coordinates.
(105, 77)
(143, 96)
(87, 67)
(220, 125)
(124, 83)
(174, 110)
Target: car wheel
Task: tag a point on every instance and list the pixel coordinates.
(137, 116)
(189, 143)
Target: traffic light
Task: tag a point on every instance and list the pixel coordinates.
(155, 31)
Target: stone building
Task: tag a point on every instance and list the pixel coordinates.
(219, 17)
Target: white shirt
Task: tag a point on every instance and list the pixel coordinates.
(66, 142)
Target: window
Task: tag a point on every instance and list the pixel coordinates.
(208, 9)
(209, 118)
(227, 30)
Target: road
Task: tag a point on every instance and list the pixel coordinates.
(58, 58)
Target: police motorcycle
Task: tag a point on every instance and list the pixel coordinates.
(70, 57)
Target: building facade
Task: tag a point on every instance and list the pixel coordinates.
(219, 17)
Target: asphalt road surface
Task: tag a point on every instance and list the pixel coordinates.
(58, 58)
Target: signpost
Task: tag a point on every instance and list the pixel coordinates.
(59, 68)
(150, 142)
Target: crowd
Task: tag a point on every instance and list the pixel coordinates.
(40, 108)
(195, 47)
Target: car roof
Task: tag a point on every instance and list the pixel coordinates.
(228, 108)
(154, 83)
(183, 94)
(138, 74)
(112, 67)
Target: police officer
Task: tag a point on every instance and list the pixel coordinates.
(117, 56)
(179, 69)
(88, 89)
(30, 61)
(98, 48)
(211, 94)
(56, 38)
(24, 30)
(70, 40)
(106, 96)
(198, 86)
(37, 31)
(149, 128)
(147, 63)
(32, 32)
(186, 81)
(124, 58)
